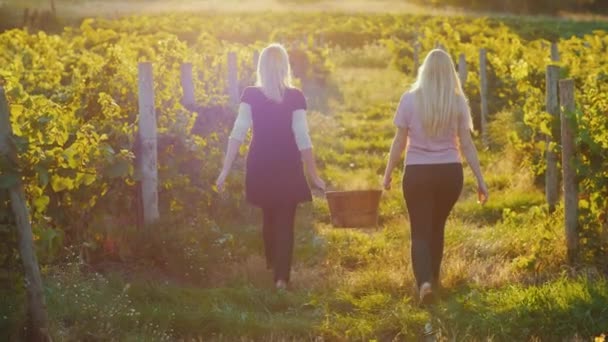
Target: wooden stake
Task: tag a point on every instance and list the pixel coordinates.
(552, 107)
(462, 69)
(36, 305)
(484, 96)
(187, 85)
(554, 52)
(148, 168)
(233, 81)
(416, 57)
(568, 125)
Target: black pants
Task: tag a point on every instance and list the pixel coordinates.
(278, 238)
(430, 193)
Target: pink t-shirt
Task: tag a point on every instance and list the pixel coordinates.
(421, 148)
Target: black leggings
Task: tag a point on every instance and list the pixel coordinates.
(278, 239)
(430, 193)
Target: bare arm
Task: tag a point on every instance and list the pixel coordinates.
(309, 163)
(468, 149)
(397, 148)
(311, 168)
(231, 153)
(239, 131)
(467, 146)
(302, 136)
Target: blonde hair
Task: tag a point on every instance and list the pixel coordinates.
(274, 72)
(439, 94)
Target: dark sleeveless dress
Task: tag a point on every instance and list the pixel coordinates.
(275, 174)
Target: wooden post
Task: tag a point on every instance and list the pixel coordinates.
(484, 96)
(568, 125)
(147, 167)
(416, 56)
(462, 69)
(36, 305)
(233, 81)
(554, 52)
(187, 85)
(552, 107)
(219, 69)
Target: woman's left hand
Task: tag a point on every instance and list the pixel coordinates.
(386, 183)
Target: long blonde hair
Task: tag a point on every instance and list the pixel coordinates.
(274, 72)
(439, 93)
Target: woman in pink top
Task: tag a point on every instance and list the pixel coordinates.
(433, 120)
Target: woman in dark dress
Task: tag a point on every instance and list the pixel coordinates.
(280, 149)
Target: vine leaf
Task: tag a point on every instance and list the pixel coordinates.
(41, 203)
(59, 183)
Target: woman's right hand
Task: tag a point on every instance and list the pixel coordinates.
(319, 183)
(482, 193)
(386, 182)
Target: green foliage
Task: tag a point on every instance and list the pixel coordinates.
(592, 169)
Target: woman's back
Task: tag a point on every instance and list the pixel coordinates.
(273, 137)
(422, 147)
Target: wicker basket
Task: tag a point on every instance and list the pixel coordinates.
(354, 209)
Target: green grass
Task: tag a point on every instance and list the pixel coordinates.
(552, 311)
(360, 289)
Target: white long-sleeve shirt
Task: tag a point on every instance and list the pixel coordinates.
(299, 125)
